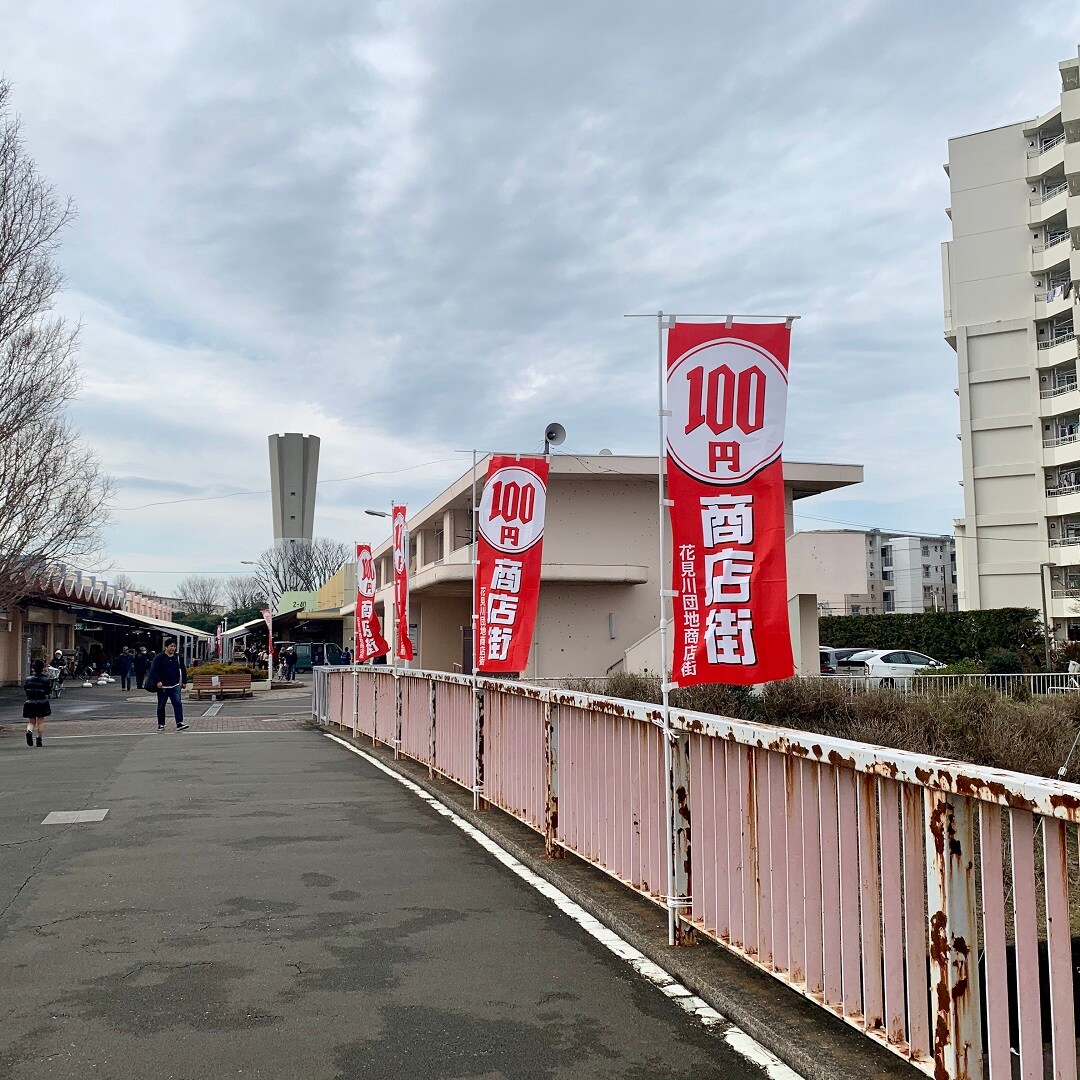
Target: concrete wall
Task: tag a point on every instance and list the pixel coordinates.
(47, 628)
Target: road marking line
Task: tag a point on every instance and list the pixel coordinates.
(71, 817)
(214, 709)
(690, 1003)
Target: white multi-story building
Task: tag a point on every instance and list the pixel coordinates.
(903, 574)
(1010, 278)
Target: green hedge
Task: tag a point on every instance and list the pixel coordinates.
(948, 636)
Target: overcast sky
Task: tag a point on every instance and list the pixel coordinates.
(414, 227)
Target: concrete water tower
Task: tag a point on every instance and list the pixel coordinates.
(294, 473)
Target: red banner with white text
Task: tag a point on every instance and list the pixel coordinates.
(369, 639)
(403, 649)
(727, 398)
(510, 543)
(269, 620)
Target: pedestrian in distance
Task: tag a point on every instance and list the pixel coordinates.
(60, 663)
(168, 676)
(126, 663)
(290, 664)
(142, 665)
(37, 687)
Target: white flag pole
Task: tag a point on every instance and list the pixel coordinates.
(474, 623)
(663, 323)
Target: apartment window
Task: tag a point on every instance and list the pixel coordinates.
(926, 551)
(855, 609)
(886, 575)
(925, 570)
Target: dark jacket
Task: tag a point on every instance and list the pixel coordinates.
(126, 662)
(167, 670)
(142, 662)
(38, 688)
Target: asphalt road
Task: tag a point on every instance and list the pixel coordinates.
(265, 904)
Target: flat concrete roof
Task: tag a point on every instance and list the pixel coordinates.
(803, 478)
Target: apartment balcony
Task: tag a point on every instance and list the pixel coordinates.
(1045, 156)
(1046, 256)
(1063, 501)
(1064, 551)
(1051, 302)
(1059, 451)
(1057, 400)
(1056, 351)
(1065, 605)
(1041, 208)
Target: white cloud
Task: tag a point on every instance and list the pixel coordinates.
(411, 228)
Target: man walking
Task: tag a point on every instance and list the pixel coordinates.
(125, 661)
(290, 664)
(142, 663)
(168, 675)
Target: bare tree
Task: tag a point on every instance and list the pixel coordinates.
(243, 591)
(126, 582)
(301, 566)
(202, 595)
(53, 494)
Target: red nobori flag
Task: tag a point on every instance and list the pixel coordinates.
(510, 549)
(403, 645)
(727, 395)
(369, 639)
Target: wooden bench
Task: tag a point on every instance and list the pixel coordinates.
(220, 685)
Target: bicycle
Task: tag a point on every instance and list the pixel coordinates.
(56, 678)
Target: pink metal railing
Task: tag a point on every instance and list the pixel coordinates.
(454, 753)
(924, 901)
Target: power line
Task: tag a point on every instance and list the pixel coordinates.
(266, 491)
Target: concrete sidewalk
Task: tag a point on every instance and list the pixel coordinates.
(268, 905)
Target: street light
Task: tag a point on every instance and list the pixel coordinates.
(377, 513)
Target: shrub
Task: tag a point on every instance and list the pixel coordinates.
(228, 669)
(1003, 662)
(945, 635)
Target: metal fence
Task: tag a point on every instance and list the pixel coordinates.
(926, 902)
(1052, 682)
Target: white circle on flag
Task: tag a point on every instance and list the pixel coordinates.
(512, 509)
(400, 542)
(728, 404)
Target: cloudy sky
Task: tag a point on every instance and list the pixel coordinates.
(414, 227)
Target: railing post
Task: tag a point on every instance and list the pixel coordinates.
(374, 708)
(954, 958)
(431, 727)
(355, 703)
(679, 780)
(397, 715)
(479, 802)
(552, 848)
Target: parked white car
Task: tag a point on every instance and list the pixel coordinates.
(889, 667)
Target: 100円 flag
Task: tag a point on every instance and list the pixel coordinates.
(727, 399)
(369, 639)
(403, 649)
(510, 550)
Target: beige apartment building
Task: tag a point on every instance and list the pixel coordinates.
(1010, 277)
(599, 586)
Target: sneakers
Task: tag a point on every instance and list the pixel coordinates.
(29, 737)
(181, 727)
(161, 727)
(37, 741)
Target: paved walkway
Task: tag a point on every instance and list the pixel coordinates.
(262, 903)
